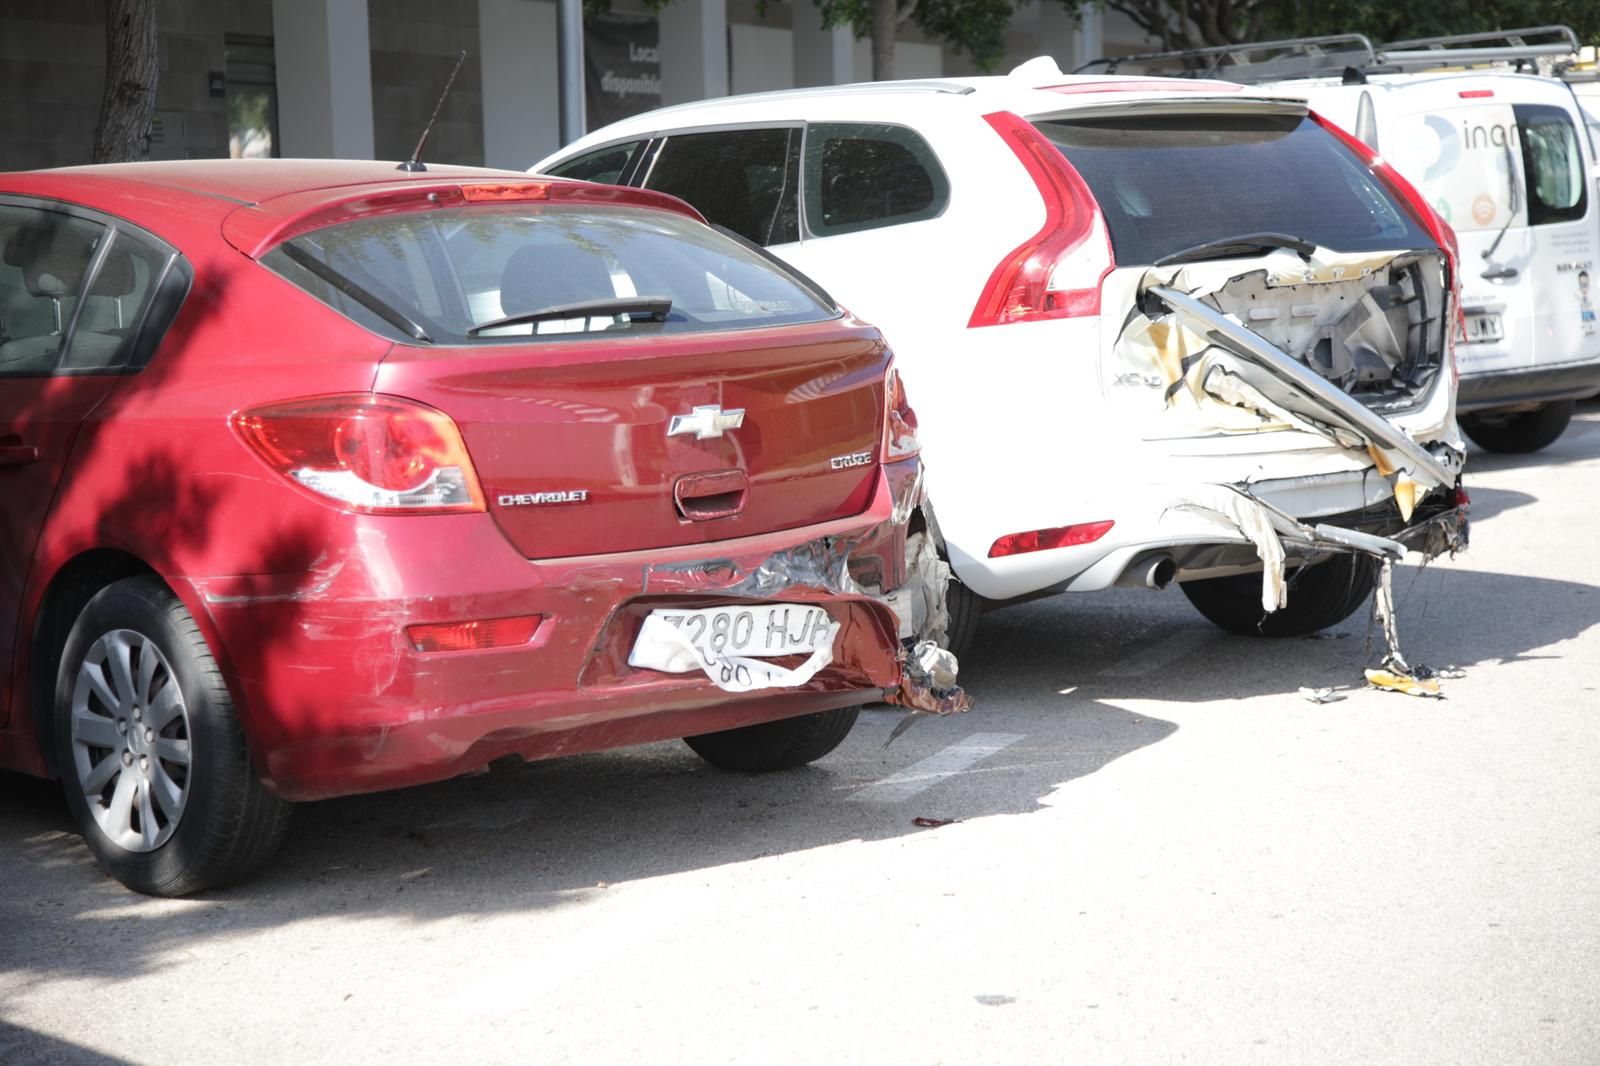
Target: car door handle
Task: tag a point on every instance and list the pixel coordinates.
(18, 454)
(1500, 273)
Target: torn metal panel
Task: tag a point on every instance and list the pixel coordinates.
(1297, 388)
(1254, 521)
(928, 683)
(920, 601)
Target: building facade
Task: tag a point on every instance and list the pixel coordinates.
(359, 78)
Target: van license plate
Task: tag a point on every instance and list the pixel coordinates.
(1482, 328)
(728, 644)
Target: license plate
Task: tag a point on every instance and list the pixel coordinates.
(729, 644)
(1485, 327)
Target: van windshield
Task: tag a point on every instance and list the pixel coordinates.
(1170, 182)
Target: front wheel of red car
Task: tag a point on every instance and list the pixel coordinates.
(152, 757)
(782, 745)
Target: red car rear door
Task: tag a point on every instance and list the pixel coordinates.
(75, 290)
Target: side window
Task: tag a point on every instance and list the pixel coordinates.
(604, 165)
(1553, 163)
(741, 179)
(860, 176)
(44, 257)
(114, 307)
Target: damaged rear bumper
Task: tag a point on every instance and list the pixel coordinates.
(336, 700)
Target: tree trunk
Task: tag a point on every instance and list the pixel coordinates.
(129, 101)
(884, 21)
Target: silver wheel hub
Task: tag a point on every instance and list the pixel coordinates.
(130, 740)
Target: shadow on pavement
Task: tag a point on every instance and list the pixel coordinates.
(518, 838)
(25, 1047)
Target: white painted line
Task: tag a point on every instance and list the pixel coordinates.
(935, 768)
(1168, 651)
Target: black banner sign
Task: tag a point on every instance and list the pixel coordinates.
(622, 67)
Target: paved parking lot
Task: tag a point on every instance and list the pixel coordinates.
(1162, 853)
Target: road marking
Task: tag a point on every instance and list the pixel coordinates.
(935, 768)
(1168, 651)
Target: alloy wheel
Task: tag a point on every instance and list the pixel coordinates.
(130, 740)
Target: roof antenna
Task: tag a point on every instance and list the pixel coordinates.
(414, 164)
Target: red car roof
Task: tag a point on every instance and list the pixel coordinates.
(254, 181)
(260, 202)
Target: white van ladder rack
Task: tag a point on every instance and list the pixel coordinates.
(1254, 62)
(1469, 49)
(1302, 57)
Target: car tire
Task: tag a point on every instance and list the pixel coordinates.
(781, 745)
(167, 800)
(1320, 595)
(1519, 434)
(964, 607)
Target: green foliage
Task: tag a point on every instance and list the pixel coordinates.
(1391, 20)
(977, 27)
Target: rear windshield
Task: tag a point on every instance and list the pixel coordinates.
(443, 275)
(1170, 182)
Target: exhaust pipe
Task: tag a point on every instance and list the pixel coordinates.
(1157, 573)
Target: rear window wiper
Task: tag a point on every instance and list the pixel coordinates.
(1244, 244)
(654, 308)
(363, 296)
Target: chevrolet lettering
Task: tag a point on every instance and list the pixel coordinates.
(530, 499)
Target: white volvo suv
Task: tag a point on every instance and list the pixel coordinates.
(1155, 330)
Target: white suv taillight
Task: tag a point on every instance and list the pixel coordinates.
(1057, 272)
(899, 421)
(377, 454)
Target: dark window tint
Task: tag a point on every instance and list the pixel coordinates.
(44, 261)
(861, 176)
(453, 270)
(605, 165)
(1553, 164)
(1167, 183)
(742, 179)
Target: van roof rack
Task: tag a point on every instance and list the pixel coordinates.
(1257, 61)
(1469, 49)
(1353, 53)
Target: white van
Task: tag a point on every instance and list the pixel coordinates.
(1505, 158)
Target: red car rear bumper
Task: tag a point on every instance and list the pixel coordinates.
(336, 699)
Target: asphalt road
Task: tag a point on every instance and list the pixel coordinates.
(1162, 854)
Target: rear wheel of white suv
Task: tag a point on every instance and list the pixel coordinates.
(781, 745)
(1320, 595)
(1518, 434)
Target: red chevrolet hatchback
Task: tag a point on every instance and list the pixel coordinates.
(320, 478)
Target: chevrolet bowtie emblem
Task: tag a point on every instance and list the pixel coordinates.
(706, 422)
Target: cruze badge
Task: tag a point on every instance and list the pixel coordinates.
(706, 422)
(844, 462)
(530, 499)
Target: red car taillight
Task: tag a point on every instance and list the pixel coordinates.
(377, 454)
(1057, 272)
(899, 421)
(1431, 221)
(1038, 540)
